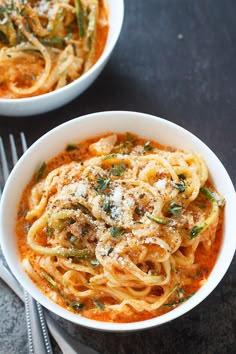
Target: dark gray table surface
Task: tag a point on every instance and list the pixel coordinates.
(175, 59)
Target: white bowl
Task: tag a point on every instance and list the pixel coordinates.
(148, 127)
(55, 99)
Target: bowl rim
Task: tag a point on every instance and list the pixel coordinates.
(103, 57)
(201, 294)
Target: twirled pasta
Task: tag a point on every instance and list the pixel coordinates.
(119, 229)
(44, 45)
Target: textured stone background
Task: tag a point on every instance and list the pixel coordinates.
(174, 59)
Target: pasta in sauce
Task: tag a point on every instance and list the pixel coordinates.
(120, 229)
(45, 45)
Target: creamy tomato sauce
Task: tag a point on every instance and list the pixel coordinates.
(185, 277)
(48, 53)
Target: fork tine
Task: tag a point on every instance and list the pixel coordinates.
(4, 161)
(23, 141)
(13, 149)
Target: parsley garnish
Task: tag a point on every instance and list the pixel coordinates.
(197, 274)
(116, 231)
(138, 211)
(48, 230)
(71, 147)
(161, 221)
(182, 176)
(181, 186)
(82, 207)
(147, 146)
(174, 208)
(102, 183)
(85, 230)
(109, 157)
(180, 292)
(195, 231)
(107, 206)
(130, 138)
(73, 238)
(118, 170)
(183, 299)
(40, 172)
(99, 305)
(109, 251)
(95, 263)
(78, 307)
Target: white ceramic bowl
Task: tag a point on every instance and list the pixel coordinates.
(55, 99)
(146, 126)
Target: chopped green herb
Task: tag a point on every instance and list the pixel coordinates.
(78, 307)
(80, 18)
(74, 49)
(40, 172)
(180, 292)
(54, 285)
(182, 176)
(99, 305)
(180, 186)
(109, 157)
(118, 170)
(109, 251)
(138, 211)
(196, 275)
(207, 194)
(50, 42)
(49, 231)
(174, 208)
(116, 231)
(123, 148)
(95, 263)
(73, 238)
(147, 146)
(27, 227)
(49, 279)
(69, 36)
(107, 206)
(85, 230)
(27, 27)
(102, 183)
(195, 231)
(71, 147)
(130, 138)
(179, 301)
(161, 221)
(82, 207)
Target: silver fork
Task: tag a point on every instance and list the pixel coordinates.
(38, 337)
(39, 342)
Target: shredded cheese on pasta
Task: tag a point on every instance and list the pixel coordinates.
(44, 45)
(118, 232)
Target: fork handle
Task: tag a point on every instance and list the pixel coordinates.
(34, 329)
(67, 343)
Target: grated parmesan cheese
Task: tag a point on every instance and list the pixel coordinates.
(81, 190)
(117, 195)
(160, 185)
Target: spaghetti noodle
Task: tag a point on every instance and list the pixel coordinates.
(120, 229)
(44, 45)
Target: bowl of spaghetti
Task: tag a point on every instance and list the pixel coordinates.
(51, 51)
(118, 221)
